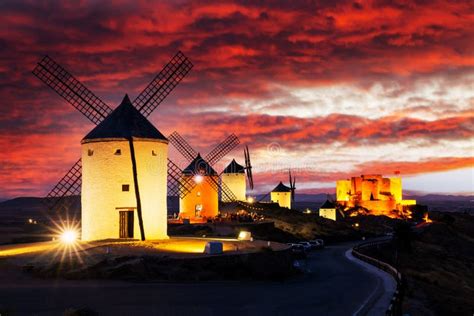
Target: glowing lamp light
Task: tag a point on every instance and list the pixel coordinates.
(244, 235)
(198, 178)
(250, 199)
(68, 236)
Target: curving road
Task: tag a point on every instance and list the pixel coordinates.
(334, 285)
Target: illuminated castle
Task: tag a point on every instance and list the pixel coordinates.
(124, 171)
(381, 196)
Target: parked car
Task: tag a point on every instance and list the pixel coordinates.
(316, 244)
(307, 246)
(321, 242)
(298, 251)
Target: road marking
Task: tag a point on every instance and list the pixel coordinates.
(385, 284)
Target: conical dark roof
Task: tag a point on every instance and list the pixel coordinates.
(234, 167)
(199, 166)
(281, 188)
(124, 122)
(328, 204)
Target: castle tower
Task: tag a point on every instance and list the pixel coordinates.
(124, 173)
(202, 202)
(234, 177)
(281, 194)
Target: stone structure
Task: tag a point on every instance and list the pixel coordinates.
(379, 195)
(124, 171)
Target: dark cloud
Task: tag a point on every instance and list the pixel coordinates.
(242, 51)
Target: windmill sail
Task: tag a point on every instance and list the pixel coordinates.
(86, 102)
(248, 166)
(292, 186)
(182, 146)
(73, 91)
(61, 197)
(222, 149)
(166, 80)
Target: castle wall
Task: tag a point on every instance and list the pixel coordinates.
(386, 194)
(396, 188)
(202, 194)
(369, 189)
(282, 198)
(236, 183)
(343, 189)
(379, 207)
(104, 173)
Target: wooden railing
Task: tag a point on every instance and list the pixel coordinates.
(395, 307)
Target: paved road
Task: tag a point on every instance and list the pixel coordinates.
(334, 286)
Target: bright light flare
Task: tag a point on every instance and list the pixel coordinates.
(198, 178)
(250, 200)
(69, 236)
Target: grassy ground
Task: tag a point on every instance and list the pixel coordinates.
(438, 266)
(283, 225)
(311, 226)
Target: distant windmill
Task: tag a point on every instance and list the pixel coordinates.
(200, 179)
(68, 87)
(282, 194)
(234, 176)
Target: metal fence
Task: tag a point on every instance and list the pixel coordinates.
(395, 308)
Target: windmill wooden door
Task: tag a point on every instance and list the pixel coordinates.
(126, 224)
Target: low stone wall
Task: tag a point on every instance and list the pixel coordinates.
(266, 264)
(395, 307)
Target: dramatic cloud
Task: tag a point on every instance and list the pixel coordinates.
(327, 87)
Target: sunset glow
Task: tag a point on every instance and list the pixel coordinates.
(330, 90)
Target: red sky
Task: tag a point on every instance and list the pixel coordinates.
(330, 89)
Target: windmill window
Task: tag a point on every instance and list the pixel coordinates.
(90, 152)
(153, 153)
(125, 187)
(118, 152)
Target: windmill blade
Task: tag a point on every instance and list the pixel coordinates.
(222, 149)
(292, 186)
(62, 195)
(224, 189)
(250, 178)
(248, 166)
(176, 187)
(227, 192)
(159, 88)
(73, 91)
(182, 146)
(263, 197)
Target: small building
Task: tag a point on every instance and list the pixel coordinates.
(281, 194)
(202, 201)
(233, 177)
(124, 170)
(328, 210)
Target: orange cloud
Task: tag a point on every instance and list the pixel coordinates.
(241, 53)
